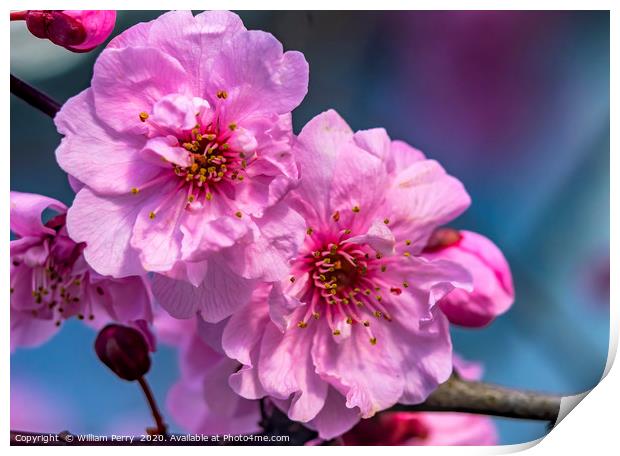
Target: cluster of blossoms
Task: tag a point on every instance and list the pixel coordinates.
(313, 270)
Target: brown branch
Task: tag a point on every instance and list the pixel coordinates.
(34, 97)
(456, 395)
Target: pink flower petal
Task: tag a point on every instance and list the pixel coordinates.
(279, 80)
(422, 198)
(105, 161)
(368, 375)
(106, 223)
(221, 293)
(131, 80)
(335, 418)
(286, 368)
(27, 210)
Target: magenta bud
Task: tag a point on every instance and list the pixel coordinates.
(124, 350)
(77, 31)
(493, 291)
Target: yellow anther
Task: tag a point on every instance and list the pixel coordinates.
(367, 292)
(405, 284)
(373, 341)
(379, 298)
(198, 137)
(188, 146)
(336, 216)
(379, 255)
(210, 137)
(366, 323)
(345, 301)
(309, 231)
(332, 291)
(225, 146)
(316, 254)
(302, 324)
(144, 116)
(244, 164)
(349, 321)
(202, 178)
(347, 231)
(316, 315)
(209, 196)
(194, 167)
(386, 221)
(239, 214)
(407, 254)
(190, 198)
(222, 94)
(407, 242)
(336, 332)
(151, 215)
(356, 209)
(135, 190)
(232, 126)
(383, 268)
(377, 314)
(240, 178)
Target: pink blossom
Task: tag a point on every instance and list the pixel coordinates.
(353, 329)
(182, 143)
(51, 282)
(78, 31)
(201, 401)
(493, 292)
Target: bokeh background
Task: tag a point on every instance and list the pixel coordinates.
(515, 104)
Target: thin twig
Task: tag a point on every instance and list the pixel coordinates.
(161, 428)
(34, 97)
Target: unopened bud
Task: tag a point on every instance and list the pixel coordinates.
(77, 31)
(124, 350)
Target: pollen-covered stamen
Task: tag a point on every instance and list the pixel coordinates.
(213, 159)
(57, 293)
(348, 282)
(214, 155)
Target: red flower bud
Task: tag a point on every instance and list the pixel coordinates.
(77, 31)
(124, 350)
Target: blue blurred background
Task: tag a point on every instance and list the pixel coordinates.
(515, 104)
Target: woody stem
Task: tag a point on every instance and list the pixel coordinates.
(34, 97)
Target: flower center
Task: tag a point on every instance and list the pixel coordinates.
(56, 292)
(347, 282)
(216, 158)
(213, 160)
